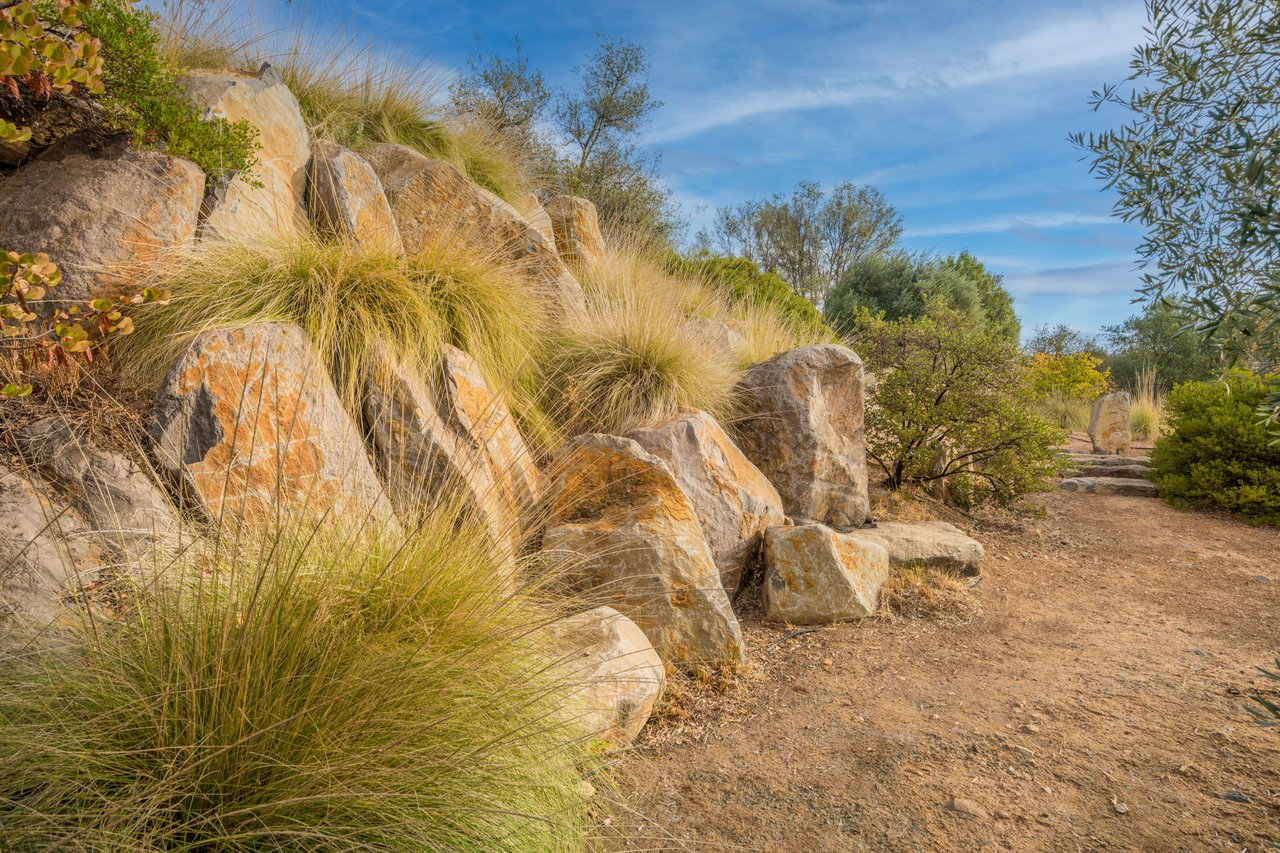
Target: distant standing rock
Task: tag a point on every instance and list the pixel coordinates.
(250, 423)
(815, 575)
(626, 532)
(270, 202)
(99, 207)
(734, 502)
(614, 675)
(1109, 424)
(802, 425)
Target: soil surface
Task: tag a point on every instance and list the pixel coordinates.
(1097, 702)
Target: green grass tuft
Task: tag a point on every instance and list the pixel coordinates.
(1064, 410)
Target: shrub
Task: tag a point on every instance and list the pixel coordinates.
(141, 96)
(348, 301)
(1076, 375)
(1217, 452)
(315, 691)
(944, 383)
(742, 282)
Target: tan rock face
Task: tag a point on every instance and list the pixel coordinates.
(249, 421)
(347, 201)
(815, 575)
(1109, 424)
(239, 210)
(432, 201)
(935, 544)
(536, 215)
(626, 532)
(614, 674)
(452, 440)
(577, 229)
(802, 426)
(733, 501)
(97, 206)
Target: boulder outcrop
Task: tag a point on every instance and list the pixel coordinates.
(621, 528)
(577, 229)
(99, 208)
(815, 575)
(935, 544)
(271, 201)
(250, 425)
(1109, 424)
(614, 674)
(432, 201)
(346, 199)
(802, 425)
(734, 502)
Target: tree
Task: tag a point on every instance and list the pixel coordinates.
(902, 286)
(951, 402)
(1198, 164)
(1155, 339)
(1061, 339)
(504, 93)
(809, 238)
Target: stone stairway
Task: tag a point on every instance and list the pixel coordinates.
(1109, 475)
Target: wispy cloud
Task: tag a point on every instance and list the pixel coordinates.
(1013, 222)
(1100, 279)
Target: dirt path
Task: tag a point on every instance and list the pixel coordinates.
(1097, 703)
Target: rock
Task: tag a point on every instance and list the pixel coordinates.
(1128, 472)
(432, 201)
(935, 544)
(47, 551)
(48, 118)
(100, 209)
(1109, 486)
(537, 217)
(734, 502)
(117, 497)
(802, 426)
(346, 199)
(814, 575)
(1109, 424)
(577, 229)
(237, 209)
(715, 334)
(615, 675)
(968, 808)
(623, 529)
(249, 423)
(1097, 459)
(455, 440)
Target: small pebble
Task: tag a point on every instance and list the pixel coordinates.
(1234, 797)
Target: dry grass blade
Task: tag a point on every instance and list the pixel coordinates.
(925, 593)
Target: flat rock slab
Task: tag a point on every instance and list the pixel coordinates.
(935, 544)
(1099, 459)
(1110, 486)
(1127, 472)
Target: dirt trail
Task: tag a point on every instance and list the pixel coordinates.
(1097, 703)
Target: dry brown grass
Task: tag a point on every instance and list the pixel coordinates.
(918, 592)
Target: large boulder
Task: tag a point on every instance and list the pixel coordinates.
(815, 575)
(47, 552)
(935, 544)
(99, 208)
(451, 440)
(734, 502)
(113, 493)
(269, 202)
(432, 201)
(621, 528)
(536, 215)
(802, 425)
(250, 425)
(346, 199)
(613, 674)
(1109, 424)
(577, 229)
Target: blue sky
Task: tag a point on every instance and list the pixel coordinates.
(957, 110)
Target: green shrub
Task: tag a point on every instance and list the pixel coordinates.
(1216, 451)
(742, 282)
(141, 96)
(943, 382)
(313, 691)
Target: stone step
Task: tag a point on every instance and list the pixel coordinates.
(1099, 459)
(1109, 486)
(1128, 472)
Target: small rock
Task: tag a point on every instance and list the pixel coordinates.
(968, 808)
(1234, 797)
(1120, 808)
(1029, 728)
(1260, 579)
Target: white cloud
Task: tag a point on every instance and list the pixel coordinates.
(1102, 279)
(1013, 222)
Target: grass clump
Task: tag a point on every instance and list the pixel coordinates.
(920, 592)
(309, 691)
(1064, 410)
(1146, 407)
(352, 304)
